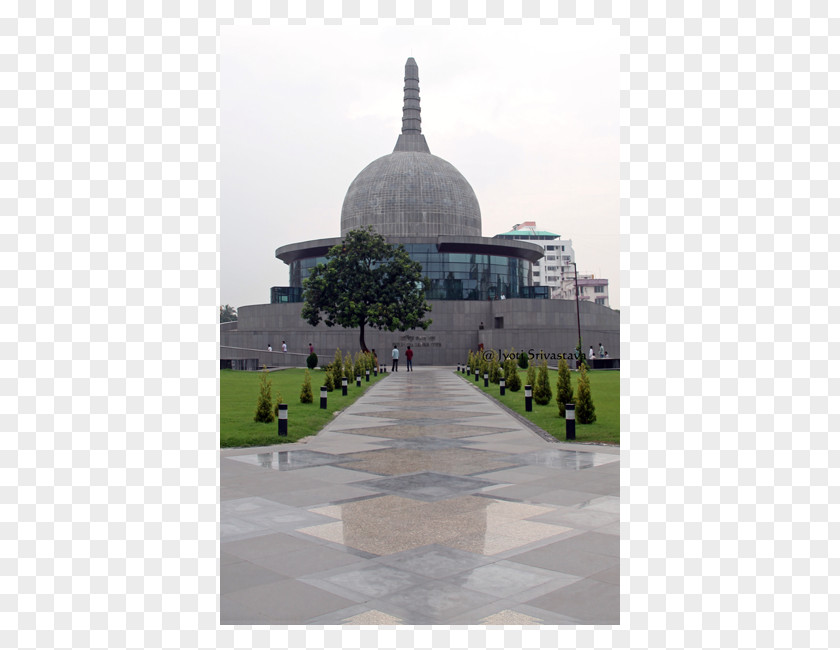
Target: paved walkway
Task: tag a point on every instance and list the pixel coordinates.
(423, 503)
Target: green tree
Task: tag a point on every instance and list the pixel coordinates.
(523, 359)
(565, 393)
(227, 314)
(328, 379)
(306, 389)
(359, 366)
(264, 412)
(542, 391)
(367, 282)
(312, 361)
(584, 407)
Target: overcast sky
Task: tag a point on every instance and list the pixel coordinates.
(529, 115)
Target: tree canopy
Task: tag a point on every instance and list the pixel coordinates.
(367, 282)
(227, 314)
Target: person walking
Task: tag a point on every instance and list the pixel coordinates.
(269, 347)
(311, 349)
(283, 347)
(395, 356)
(409, 355)
(601, 350)
(591, 352)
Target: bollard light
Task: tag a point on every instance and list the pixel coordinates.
(570, 421)
(283, 420)
(501, 387)
(344, 386)
(528, 398)
(476, 374)
(367, 375)
(323, 397)
(459, 368)
(486, 377)
(358, 381)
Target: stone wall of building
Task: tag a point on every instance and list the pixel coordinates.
(548, 325)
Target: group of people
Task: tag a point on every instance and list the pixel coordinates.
(601, 352)
(395, 359)
(285, 348)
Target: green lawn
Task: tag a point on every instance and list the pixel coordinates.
(238, 402)
(605, 395)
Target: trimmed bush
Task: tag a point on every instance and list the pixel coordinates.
(337, 369)
(312, 361)
(565, 392)
(264, 412)
(512, 381)
(523, 359)
(542, 390)
(531, 378)
(306, 389)
(494, 371)
(584, 408)
(328, 379)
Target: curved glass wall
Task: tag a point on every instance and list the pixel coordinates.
(453, 276)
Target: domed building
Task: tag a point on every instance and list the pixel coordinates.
(478, 286)
(414, 198)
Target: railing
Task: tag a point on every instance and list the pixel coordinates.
(272, 359)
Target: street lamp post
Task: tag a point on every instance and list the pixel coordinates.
(577, 308)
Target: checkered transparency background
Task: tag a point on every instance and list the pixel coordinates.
(109, 238)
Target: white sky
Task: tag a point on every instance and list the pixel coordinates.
(529, 115)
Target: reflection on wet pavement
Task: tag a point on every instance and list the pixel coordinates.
(426, 518)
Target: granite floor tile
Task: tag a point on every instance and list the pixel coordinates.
(434, 561)
(288, 602)
(313, 559)
(556, 557)
(369, 581)
(242, 575)
(590, 601)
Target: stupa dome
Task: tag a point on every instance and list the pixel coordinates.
(410, 192)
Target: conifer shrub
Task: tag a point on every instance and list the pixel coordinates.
(264, 412)
(359, 366)
(584, 407)
(542, 389)
(531, 378)
(278, 403)
(348, 369)
(494, 370)
(312, 361)
(565, 392)
(523, 359)
(306, 389)
(337, 369)
(512, 381)
(328, 379)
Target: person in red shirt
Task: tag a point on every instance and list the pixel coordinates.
(409, 355)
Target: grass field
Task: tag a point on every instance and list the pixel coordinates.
(238, 402)
(605, 395)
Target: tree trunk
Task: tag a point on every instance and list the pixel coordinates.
(362, 344)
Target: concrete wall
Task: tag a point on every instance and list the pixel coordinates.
(548, 325)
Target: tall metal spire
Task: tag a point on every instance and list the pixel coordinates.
(411, 138)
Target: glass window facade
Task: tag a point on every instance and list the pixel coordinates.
(452, 276)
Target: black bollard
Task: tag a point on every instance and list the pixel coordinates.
(283, 420)
(528, 406)
(367, 374)
(358, 381)
(323, 397)
(344, 386)
(486, 376)
(570, 421)
(501, 387)
(476, 375)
